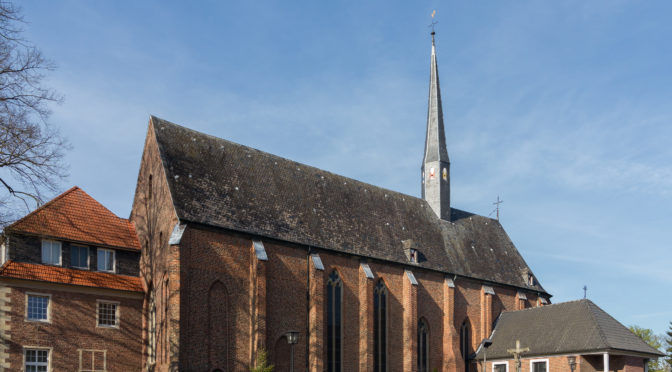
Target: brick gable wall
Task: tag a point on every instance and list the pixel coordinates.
(155, 219)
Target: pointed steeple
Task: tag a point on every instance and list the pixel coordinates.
(435, 163)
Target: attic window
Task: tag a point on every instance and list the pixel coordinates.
(413, 255)
(530, 279)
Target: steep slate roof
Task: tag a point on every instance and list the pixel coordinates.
(224, 184)
(75, 215)
(62, 275)
(568, 327)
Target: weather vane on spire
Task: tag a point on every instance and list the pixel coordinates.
(433, 21)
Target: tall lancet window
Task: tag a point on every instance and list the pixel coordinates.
(465, 344)
(423, 348)
(334, 322)
(380, 327)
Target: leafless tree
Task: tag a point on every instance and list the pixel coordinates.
(31, 151)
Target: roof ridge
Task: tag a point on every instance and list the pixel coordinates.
(43, 206)
(603, 337)
(545, 306)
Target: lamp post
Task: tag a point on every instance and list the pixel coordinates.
(292, 339)
(572, 362)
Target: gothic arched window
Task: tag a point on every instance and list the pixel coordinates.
(334, 322)
(380, 327)
(423, 348)
(465, 344)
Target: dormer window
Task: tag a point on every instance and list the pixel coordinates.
(530, 279)
(413, 255)
(51, 252)
(105, 260)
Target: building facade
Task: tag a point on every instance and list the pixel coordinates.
(558, 337)
(70, 293)
(241, 247)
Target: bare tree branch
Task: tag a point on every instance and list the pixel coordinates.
(31, 151)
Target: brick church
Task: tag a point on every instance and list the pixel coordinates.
(229, 251)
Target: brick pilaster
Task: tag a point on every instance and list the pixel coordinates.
(486, 315)
(5, 327)
(410, 323)
(257, 304)
(366, 335)
(316, 318)
(452, 360)
(174, 307)
(520, 301)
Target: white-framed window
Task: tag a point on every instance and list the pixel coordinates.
(79, 256)
(539, 365)
(500, 367)
(105, 259)
(36, 359)
(37, 307)
(51, 252)
(3, 253)
(92, 360)
(107, 314)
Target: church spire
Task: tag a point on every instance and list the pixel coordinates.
(435, 163)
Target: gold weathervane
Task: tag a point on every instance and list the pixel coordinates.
(433, 21)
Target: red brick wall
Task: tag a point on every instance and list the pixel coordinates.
(208, 255)
(155, 218)
(586, 363)
(73, 326)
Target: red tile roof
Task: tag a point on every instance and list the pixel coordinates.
(55, 274)
(75, 215)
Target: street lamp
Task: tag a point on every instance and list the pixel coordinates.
(292, 339)
(572, 362)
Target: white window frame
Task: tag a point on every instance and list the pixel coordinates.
(3, 252)
(93, 364)
(48, 320)
(49, 352)
(548, 365)
(60, 252)
(116, 315)
(506, 363)
(88, 256)
(114, 260)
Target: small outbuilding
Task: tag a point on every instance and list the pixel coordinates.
(570, 336)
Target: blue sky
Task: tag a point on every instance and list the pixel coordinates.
(562, 108)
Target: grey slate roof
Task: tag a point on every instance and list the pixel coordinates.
(564, 328)
(224, 184)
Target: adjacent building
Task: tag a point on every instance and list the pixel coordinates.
(558, 335)
(70, 293)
